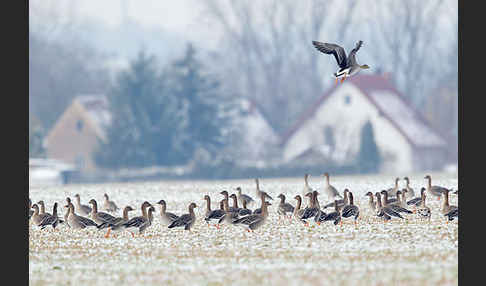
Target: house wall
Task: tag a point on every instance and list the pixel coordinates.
(346, 121)
(65, 142)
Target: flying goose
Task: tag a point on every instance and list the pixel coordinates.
(83, 209)
(347, 65)
(185, 220)
(108, 205)
(330, 190)
(435, 191)
(165, 216)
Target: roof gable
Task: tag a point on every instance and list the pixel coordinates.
(391, 104)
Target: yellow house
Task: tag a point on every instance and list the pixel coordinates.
(76, 134)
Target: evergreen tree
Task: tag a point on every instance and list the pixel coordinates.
(145, 119)
(202, 105)
(369, 159)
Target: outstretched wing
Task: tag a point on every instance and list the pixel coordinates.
(352, 55)
(334, 49)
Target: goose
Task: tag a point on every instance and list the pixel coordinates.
(136, 222)
(208, 205)
(435, 191)
(244, 211)
(235, 207)
(371, 202)
(330, 190)
(244, 198)
(385, 211)
(31, 212)
(423, 211)
(115, 225)
(83, 209)
(283, 207)
(393, 205)
(415, 202)
(108, 205)
(393, 191)
(76, 221)
(37, 217)
(254, 221)
(259, 210)
(99, 217)
(165, 216)
(298, 212)
(402, 198)
(347, 65)
(311, 210)
(259, 192)
(143, 224)
(410, 192)
(341, 202)
(42, 209)
(448, 210)
(216, 214)
(306, 188)
(228, 216)
(350, 209)
(185, 220)
(52, 220)
(334, 216)
(387, 200)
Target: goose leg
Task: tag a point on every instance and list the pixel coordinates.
(337, 80)
(108, 233)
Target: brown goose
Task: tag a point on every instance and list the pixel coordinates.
(254, 221)
(385, 211)
(42, 209)
(350, 209)
(423, 211)
(330, 190)
(108, 205)
(115, 224)
(217, 214)
(244, 198)
(136, 222)
(393, 191)
(76, 221)
(334, 216)
(83, 209)
(283, 207)
(99, 217)
(341, 202)
(185, 220)
(410, 192)
(298, 212)
(312, 209)
(371, 202)
(37, 217)
(165, 216)
(448, 210)
(435, 191)
(244, 211)
(52, 220)
(415, 202)
(394, 206)
(235, 207)
(259, 192)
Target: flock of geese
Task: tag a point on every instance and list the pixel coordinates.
(386, 204)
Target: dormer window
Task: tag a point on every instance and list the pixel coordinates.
(79, 125)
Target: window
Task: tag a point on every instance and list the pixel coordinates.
(79, 125)
(347, 100)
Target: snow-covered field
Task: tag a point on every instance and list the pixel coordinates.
(408, 252)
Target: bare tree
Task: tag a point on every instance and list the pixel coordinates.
(266, 51)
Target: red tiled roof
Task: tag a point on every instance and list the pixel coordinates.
(371, 85)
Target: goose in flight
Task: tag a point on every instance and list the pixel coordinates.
(347, 64)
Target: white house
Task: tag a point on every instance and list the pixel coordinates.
(331, 128)
(257, 142)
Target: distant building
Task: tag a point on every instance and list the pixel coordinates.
(77, 132)
(258, 142)
(330, 129)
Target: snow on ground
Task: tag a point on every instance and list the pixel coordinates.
(409, 252)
